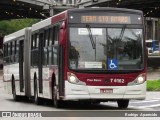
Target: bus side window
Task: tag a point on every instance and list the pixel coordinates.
(12, 52)
(17, 52)
(5, 53)
(53, 37)
(6, 56)
(9, 52)
(50, 53)
(34, 50)
(50, 36)
(56, 39)
(56, 33)
(45, 45)
(37, 40)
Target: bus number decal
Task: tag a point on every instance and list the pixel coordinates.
(115, 80)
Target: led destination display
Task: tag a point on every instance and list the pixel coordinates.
(105, 19)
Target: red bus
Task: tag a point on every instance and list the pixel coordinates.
(91, 55)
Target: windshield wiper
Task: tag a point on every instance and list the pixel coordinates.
(91, 36)
(122, 32)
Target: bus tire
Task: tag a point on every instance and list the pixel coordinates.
(37, 100)
(57, 103)
(123, 103)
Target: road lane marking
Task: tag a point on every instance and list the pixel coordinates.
(139, 107)
(150, 106)
(146, 101)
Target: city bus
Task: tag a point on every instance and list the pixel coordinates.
(89, 55)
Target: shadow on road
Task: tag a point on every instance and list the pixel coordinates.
(72, 105)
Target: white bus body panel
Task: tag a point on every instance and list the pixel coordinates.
(46, 82)
(44, 23)
(41, 24)
(14, 35)
(80, 92)
(8, 71)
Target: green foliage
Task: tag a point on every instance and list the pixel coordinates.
(10, 26)
(153, 85)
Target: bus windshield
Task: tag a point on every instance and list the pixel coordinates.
(105, 48)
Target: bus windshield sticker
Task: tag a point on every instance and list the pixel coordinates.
(84, 31)
(81, 64)
(93, 64)
(89, 64)
(112, 64)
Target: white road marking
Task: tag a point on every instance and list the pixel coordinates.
(147, 106)
(150, 106)
(146, 101)
(156, 98)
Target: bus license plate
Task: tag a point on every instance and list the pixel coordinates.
(105, 90)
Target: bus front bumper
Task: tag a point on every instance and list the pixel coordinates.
(82, 92)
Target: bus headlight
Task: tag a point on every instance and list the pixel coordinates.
(139, 80)
(72, 78)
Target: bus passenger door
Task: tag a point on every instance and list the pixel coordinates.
(21, 59)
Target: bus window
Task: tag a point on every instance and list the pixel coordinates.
(34, 51)
(17, 52)
(52, 48)
(45, 45)
(13, 52)
(37, 41)
(5, 53)
(50, 37)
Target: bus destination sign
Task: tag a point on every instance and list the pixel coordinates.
(106, 19)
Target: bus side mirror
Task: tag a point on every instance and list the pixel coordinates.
(62, 34)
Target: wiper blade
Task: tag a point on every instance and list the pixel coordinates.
(122, 32)
(91, 36)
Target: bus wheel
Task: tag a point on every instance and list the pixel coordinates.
(15, 97)
(123, 103)
(57, 103)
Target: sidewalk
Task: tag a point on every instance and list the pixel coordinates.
(153, 74)
(152, 95)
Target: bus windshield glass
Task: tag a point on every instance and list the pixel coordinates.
(106, 48)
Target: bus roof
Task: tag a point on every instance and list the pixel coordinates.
(41, 24)
(14, 35)
(44, 23)
(106, 8)
(49, 21)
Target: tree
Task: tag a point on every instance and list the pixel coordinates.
(10, 26)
